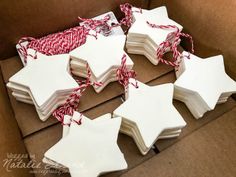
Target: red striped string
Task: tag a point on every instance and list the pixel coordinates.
(72, 101)
(172, 41)
(100, 26)
(79, 122)
(124, 74)
(57, 43)
(128, 18)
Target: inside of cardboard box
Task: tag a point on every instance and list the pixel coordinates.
(35, 133)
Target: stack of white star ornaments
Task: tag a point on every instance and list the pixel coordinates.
(148, 115)
(103, 55)
(45, 82)
(203, 83)
(89, 149)
(142, 38)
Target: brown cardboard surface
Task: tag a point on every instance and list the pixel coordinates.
(209, 152)
(39, 142)
(11, 141)
(167, 78)
(26, 113)
(147, 71)
(27, 118)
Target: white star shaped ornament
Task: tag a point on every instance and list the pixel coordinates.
(142, 38)
(203, 83)
(45, 82)
(148, 115)
(65, 131)
(103, 56)
(89, 149)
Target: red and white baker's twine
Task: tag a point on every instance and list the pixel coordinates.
(72, 102)
(123, 74)
(100, 26)
(172, 41)
(64, 42)
(57, 43)
(128, 18)
(79, 121)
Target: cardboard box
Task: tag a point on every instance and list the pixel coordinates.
(205, 148)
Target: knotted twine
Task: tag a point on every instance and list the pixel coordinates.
(100, 26)
(124, 74)
(172, 41)
(128, 18)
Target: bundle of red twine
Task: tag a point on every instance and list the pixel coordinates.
(52, 44)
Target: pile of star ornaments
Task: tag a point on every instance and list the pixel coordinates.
(45, 82)
(148, 115)
(142, 38)
(103, 56)
(88, 149)
(202, 83)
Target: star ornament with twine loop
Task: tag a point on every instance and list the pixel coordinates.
(172, 41)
